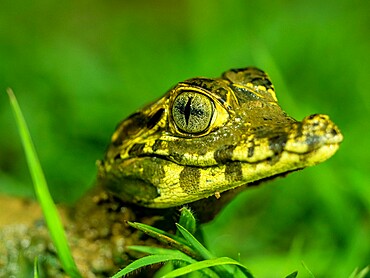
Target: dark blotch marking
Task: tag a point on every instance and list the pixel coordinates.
(136, 149)
(311, 117)
(313, 141)
(251, 151)
(130, 127)
(277, 143)
(205, 83)
(334, 132)
(117, 156)
(249, 71)
(138, 118)
(224, 154)
(233, 172)
(222, 92)
(299, 130)
(155, 118)
(255, 76)
(157, 145)
(262, 81)
(176, 156)
(190, 179)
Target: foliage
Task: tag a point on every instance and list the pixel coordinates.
(50, 212)
(189, 250)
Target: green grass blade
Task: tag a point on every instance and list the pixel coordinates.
(363, 273)
(223, 271)
(36, 268)
(164, 251)
(203, 252)
(149, 260)
(42, 192)
(360, 274)
(206, 264)
(308, 270)
(155, 232)
(187, 220)
(156, 250)
(292, 275)
(172, 240)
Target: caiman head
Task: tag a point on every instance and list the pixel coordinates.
(206, 136)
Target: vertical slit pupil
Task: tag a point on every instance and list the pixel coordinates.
(187, 110)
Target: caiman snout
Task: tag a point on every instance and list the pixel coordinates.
(313, 132)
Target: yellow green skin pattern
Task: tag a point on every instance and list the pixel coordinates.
(206, 136)
(201, 143)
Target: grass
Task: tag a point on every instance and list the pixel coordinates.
(200, 258)
(49, 209)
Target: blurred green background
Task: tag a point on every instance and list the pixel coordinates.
(79, 67)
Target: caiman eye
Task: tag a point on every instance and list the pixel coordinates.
(192, 112)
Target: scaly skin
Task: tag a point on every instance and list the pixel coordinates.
(159, 158)
(200, 144)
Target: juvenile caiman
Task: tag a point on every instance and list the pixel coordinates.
(200, 144)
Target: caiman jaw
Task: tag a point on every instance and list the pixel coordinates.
(294, 147)
(312, 141)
